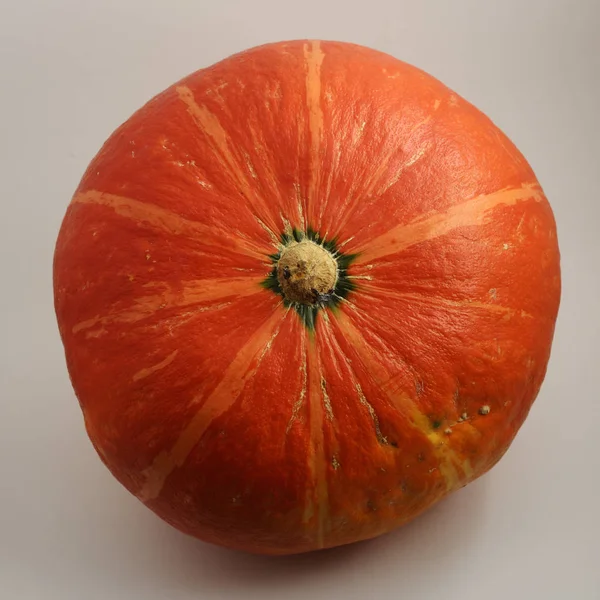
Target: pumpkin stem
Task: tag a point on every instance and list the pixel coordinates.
(306, 272)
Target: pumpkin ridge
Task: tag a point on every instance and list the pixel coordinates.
(349, 207)
(313, 57)
(371, 289)
(167, 221)
(335, 347)
(230, 387)
(448, 461)
(464, 214)
(317, 498)
(304, 389)
(441, 444)
(365, 320)
(219, 142)
(192, 293)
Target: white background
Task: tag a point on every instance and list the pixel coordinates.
(70, 72)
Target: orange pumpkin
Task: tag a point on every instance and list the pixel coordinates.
(305, 294)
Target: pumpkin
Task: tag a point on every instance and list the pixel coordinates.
(304, 295)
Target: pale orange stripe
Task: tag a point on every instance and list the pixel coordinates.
(320, 496)
(219, 141)
(169, 222)
(376, 180)
(190, 293)
(143, 373)
(243, 368)
(313, 57)
(415, 157)
(449, 463)
(470, 213)
(365, 288)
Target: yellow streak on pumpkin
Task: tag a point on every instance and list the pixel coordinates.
(448, 461)
(191, 292)
(473, 212)
(302, 397)
(363, 400)
(384, 164)
(326, 399)
(335, 349)
(219, 142)
(143, 373)
(314, 56)
(242, 368)
(319, 497)
(415, 157)
(298, 194)
(273, 237)
(168, 222)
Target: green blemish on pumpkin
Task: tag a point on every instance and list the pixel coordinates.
(436, 424)
(331, 300)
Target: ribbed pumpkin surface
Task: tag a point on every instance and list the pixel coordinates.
(246, 390)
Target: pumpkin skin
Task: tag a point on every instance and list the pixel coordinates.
(276, 426)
